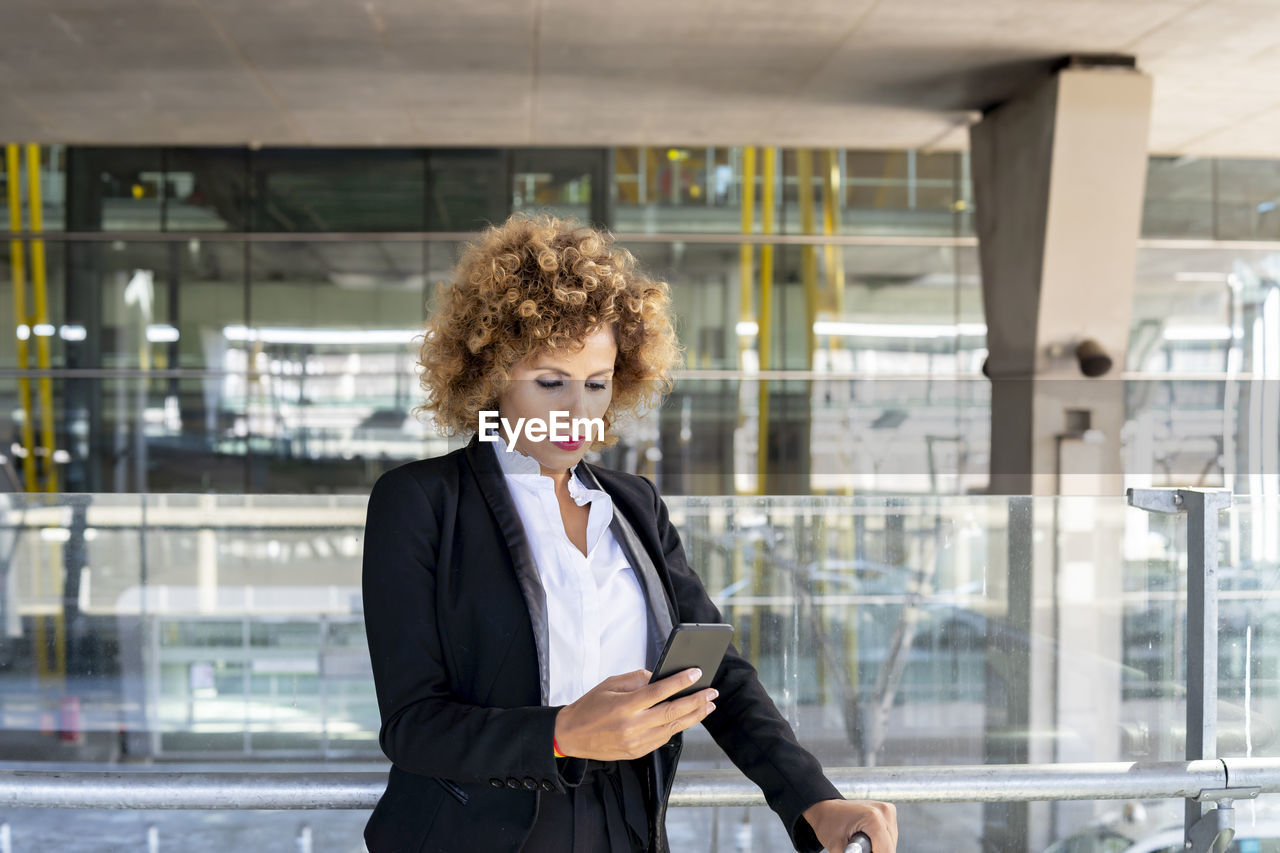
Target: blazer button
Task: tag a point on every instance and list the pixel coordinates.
(513, 782)
(497, 783)
(531, 783)
(547, 786)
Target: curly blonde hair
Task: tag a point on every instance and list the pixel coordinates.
(535, 284)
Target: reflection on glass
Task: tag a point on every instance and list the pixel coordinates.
(666, 189)
(114, 189)
(1209, 321)
(564, 182)
(328, 190)
(889, 631)
(333, 381)
(1178, 200)
(206, 189)
(466, 188)
(1246, 193)
(52, 189)
(59, 332)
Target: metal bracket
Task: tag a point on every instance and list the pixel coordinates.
(1214, 832)
(1155, 500)
(1173, 500)
(1227, 795)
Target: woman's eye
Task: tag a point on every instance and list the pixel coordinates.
(597, 386)
(550, 383)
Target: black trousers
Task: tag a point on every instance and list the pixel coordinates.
(604, 814)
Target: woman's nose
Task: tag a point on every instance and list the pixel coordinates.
(577, 400)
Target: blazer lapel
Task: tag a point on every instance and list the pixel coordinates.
(493, 486)
(660, 620)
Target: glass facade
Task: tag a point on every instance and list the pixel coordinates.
(233, 332)
(208, 630)
(243, 321)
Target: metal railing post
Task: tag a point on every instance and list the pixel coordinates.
(1202, 629)
(1212, 831)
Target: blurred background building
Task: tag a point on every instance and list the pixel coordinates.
(243, 321)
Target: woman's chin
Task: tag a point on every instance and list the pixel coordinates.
(553, 454)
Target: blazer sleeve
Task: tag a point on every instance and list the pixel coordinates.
(426, 729)
(746, 723)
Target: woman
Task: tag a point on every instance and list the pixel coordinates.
(515, 596)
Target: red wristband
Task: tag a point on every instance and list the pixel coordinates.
(555, 747)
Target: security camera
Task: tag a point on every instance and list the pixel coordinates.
(1093, 359)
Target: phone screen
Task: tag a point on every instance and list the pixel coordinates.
(693, 644)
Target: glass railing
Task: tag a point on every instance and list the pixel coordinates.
(197, 631)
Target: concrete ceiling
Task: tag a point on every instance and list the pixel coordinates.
(850, 73)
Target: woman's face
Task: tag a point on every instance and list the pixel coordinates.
(579, 382)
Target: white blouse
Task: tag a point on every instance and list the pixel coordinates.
(596, 610)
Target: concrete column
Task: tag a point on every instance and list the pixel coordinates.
(1058, 178)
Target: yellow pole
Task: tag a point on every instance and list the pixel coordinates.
(766, 314)
(17, 259)
(38, 284)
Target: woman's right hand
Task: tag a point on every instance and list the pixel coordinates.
(625, 716)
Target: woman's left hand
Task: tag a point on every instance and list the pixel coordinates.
(836, 821)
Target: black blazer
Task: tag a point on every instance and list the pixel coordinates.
(453, 612)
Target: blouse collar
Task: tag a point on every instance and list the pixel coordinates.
(512, 461)
(517, 464)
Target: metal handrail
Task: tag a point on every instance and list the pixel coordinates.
(983, 783)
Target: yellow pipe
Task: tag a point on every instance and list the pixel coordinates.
(38, 284)
(17, 259)
(766, 314)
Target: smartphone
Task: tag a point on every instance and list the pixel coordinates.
(693, 644)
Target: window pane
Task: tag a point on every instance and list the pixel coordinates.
(331, 348)
(467, 189)
(206, 189)
(1247, 194)
(115, 189)
(1178, 201)
(328, 190)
